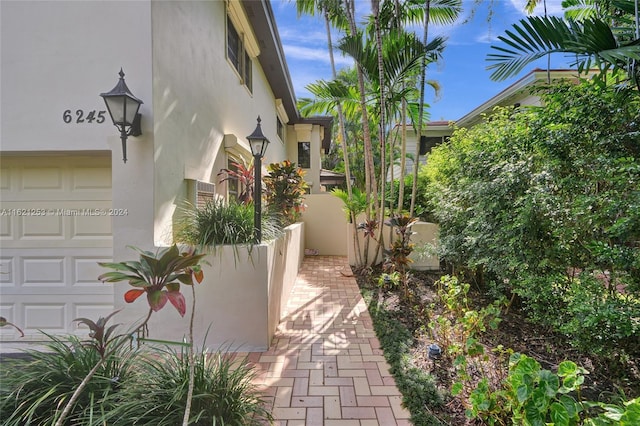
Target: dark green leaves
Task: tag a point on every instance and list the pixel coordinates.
(536, 36)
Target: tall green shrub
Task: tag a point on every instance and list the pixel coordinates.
(545, 200)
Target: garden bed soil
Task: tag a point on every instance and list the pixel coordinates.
(607, 377)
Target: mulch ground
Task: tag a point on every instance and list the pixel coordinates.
(608, 377)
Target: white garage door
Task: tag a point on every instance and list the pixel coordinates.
(55, 225)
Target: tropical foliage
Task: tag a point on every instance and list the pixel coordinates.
(602, 34)
(243, 177)
(542, 204)
(158, 275)
(216, 223)
(35, 390)
(285, 190)
(223, 392)
(382, 90)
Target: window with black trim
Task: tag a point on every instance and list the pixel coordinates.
(233, 185)
(238, 56)
(304, 155)
(280, 129)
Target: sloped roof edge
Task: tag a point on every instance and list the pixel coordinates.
(271, 58)
(535, 75)
(274, 64)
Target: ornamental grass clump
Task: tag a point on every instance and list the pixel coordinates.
(221, 223)
(34, 391)
(223, 392)
(216, 223)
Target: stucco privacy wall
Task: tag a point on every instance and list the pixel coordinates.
(199, 98)
(241, 299)
(325, 224)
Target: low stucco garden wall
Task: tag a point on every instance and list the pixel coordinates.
(242, 298)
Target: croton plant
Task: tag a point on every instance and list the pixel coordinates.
(158, 275)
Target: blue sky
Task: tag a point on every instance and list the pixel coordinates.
(462, 75)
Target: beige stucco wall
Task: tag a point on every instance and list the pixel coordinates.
(325, 225)
(241, 299)
(199, 98)
(426, 234)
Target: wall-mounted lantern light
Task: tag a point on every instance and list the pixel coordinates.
(259, 143)
(123, 108)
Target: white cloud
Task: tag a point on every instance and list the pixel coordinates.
(312, 37)
(487, 37)
(312, 54)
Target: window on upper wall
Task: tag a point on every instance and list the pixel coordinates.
(233, 186)
(280, 129)
(238, 56)
(304, 155)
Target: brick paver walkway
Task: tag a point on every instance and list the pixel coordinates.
(325, 365)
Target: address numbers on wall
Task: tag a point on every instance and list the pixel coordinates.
(81, 116)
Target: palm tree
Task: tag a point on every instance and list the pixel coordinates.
(444, 12)
(332, 13)
(591, 38)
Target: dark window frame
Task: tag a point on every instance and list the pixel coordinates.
(238, 55)
(304, 155)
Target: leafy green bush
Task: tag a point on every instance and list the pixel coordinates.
(223, 392)
(533, 198)
(34, 391)
(422, 207)
(601, 318)
(531, 396)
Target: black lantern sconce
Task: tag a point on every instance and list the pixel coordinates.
(259, 143)
(123, 108)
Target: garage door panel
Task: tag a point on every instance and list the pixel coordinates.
(51, 317)
(5, 179)
(91, 179)
(86, 271)
(7, 310)
(92, 311)
(55, 316)
(39, 178)
(41, 228)
(6, 228)
(43, 272)
(7, 274)
(78, 272)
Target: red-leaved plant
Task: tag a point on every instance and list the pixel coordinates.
(158, 275)
(244, 177)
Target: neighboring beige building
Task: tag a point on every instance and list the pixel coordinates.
(518, 94)
(205, 71)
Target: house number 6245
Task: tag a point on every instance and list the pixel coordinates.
(82, 116)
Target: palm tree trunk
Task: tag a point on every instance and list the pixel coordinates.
(370, 179)
(345, 151)
(375, 6)
(403, 155)
(423, 71)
